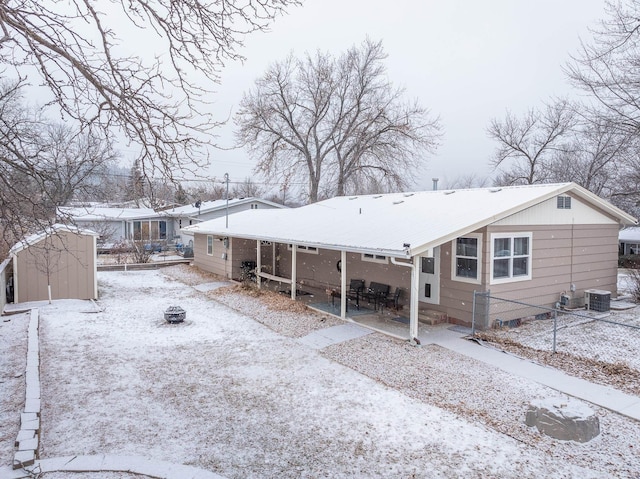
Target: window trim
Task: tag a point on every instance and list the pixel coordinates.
(209, 245)
(374, 258)
(511, 278)
(454, 256)
(303, 249)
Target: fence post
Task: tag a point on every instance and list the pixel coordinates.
(473, 314)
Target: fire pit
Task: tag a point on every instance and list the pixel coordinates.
(175, 314)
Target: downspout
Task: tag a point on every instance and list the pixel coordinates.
(294, 270)
(343, 284)
(413, 297)
(15, 279)
(95, 268)
(258, 263)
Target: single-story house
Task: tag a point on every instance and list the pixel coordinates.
(183, 216)
(629, 240)
(116, 225)
(62, 258)
(530, 243)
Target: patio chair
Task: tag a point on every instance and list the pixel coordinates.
(393, 301)
(377, 293)
(356, 288)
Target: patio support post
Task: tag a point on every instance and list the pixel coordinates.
(258, 262)
(343, 284)
(294, 267)
(415, 291)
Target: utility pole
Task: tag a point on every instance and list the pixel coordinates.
(226, 179)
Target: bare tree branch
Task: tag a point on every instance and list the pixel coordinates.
(335, 123)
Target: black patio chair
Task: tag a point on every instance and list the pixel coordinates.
(376, 293)
(356, 288)
(393, 301)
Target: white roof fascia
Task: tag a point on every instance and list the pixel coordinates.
(586, 195)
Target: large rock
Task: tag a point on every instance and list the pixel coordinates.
(568, 420)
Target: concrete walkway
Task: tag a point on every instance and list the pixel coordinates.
(455, 339)
(108, 463)
(322, 338)
(604, 396)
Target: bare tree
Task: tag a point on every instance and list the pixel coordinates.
(247, 189)
(465, 181)
(332, 122)
(608, 67)
(154, 101)
(527, 145)
(594, 156)
(42, 165)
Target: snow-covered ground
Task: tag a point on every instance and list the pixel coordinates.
(231, 390)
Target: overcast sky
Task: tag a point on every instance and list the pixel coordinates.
(467, 61)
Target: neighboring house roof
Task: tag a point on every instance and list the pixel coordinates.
(90, 213)
(631, 234)
(215, 205)
(385, 224)
(53, 229)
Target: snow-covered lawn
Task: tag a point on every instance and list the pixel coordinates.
(226, 393)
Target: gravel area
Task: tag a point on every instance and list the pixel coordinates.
(473, 390)
(13, 362)
(224, 393)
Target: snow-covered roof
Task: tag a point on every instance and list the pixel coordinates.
(208, 206)
(53, 229)
(90, 213)
(385, 224)
(631, 233)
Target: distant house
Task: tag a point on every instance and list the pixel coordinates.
(61, 257)
(629, 240)
(531, 243)
(115, 225)
(118, 224)
(183, 216)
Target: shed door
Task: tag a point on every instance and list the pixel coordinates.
(430, 277)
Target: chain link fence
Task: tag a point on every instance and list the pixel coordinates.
(611, 337)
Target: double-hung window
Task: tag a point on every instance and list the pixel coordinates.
(467, 258)
(510, 257)
(210, 245)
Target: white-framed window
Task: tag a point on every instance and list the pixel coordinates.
(467, 258)
(510, 257)
(210, 245)
(374, 258)
(304, 249)
(254, 206)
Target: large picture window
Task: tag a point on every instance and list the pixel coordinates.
(467, 258)
(510, 257)
(149, 230)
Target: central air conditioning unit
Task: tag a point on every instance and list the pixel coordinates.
(597, 300)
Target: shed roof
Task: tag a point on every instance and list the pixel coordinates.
(386, 224)
(53, 229)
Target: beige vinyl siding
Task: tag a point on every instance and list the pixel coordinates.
(320, 271)
(214, 263)
(456, 297)
(70, 267)
(548, 213)
(562, 255)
